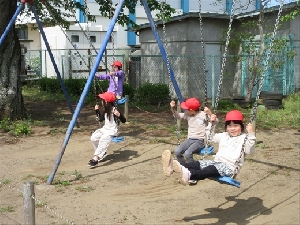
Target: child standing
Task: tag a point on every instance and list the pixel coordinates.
(116, 79)
(102, 137)
(197, 121)
(229, 158)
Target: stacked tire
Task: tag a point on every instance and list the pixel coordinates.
(271, 100)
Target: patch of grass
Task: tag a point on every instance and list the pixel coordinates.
(5, 124)
(21, 127)
(62, 183)
(28, 177)
(63, 172)
(40, 204)
(151, 127)
(85, 188)
(7, 209)
(58, 115)
(56, 131)
(6, 181)
(287, 118)
(17, 127)
(77, 174)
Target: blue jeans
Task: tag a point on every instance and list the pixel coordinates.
(187, 148)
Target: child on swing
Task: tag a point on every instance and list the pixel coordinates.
(102, 137)
(116, 79)
(197, 121)
(227, 161)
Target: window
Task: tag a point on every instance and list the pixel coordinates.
(75, 38)
(93, 38)
(22, 33)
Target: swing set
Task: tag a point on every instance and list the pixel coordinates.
(90, 79)
(96, 84)
(208, 149)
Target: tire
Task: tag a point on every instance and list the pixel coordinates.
(271, 95)
(275, 107)
(240, 102)
(271, 102)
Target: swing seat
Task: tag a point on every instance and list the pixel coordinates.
(206, 150)
(122, 101)
(117, 139)
(227, 180)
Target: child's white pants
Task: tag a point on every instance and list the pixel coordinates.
(100, 142)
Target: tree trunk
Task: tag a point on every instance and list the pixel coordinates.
(257, 60)
(11, 99)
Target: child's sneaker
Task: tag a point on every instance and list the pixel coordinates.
(102, 157)
(176, 166)
(185, 174)
(167, 162)
(93, 162)
(193, 182)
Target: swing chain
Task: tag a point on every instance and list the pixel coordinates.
(68, 38)
(168, 63)
(224, 56)
(207, 144)
(223, 65)
(203, 54)
(261, 80)
(115, 83)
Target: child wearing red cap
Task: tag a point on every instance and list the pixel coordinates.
(197, 123)
(228, 160)
(116, 79)
(102, 137)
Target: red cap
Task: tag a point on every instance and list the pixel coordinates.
(190, 104)
(234, 115)
(108, 96)
(117, 63)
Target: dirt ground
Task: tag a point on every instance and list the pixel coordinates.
(129, 187)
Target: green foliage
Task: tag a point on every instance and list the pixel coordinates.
(106, 9)
(84, 188)
(287, 118)
(21, 127)
(5, 124)
(292, 14)
(227, 105)
(128, 90)
(35, 63)
(7, 209)
(152, 94)
(74, 87)
(17, 127)
(49, 85)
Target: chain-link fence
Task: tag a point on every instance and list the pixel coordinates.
(72, 63)
(296, 54)
(188, 70)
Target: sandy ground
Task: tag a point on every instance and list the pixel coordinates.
(129, 187)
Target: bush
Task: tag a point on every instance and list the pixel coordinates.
(5, 124)
(128, 90)
(74, 87)
(227, 105)
(152, 94)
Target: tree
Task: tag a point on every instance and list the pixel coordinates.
(11, 100)
(252, 47)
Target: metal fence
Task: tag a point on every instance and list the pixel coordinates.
(282, 73)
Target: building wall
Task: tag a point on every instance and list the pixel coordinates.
(183, 37)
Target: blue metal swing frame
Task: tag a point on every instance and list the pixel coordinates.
(91, 77)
